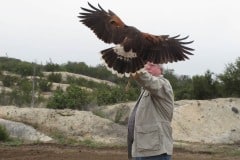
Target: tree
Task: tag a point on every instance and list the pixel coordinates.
(231, 79)
(24, 69)
(51, 67)
(17, 66)
(76, 67)
(204, 87)
(182, 85)
(172, 78)
(184, 88)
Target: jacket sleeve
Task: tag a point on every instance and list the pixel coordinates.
(155, 85)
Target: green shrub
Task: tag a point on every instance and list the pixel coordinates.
(55, 77)
(58, 100)
(85, 83)
(112, 95)
(4, 135)
(51, 67)
(44, 85)
(9, 81)
(5, 98)
(22, 93)
(73, 98)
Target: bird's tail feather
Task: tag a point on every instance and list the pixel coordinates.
(121, 65)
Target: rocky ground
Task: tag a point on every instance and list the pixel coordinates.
(208, 121)
(205, 130)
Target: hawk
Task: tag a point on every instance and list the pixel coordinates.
(133, 48)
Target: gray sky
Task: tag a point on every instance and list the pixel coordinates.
(40, 30)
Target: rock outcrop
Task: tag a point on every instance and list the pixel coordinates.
(80, 125)
(205, 121)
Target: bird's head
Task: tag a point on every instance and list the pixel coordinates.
(116, 21)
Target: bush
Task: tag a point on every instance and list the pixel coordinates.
(55, 77)
(44, 85)
(231, 79)
(22, 94)
(8, 81)
(19, 67)
(51, 67)
(5, 98)
(58, 100)
(112, 95)
(73, 98)
(4, 135)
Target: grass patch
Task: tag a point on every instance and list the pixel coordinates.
(234, 153)
(99, 113)
(93, 144)
(13, 142)
(229, 150)
(4, 135)
(62, 139)
(226, 150)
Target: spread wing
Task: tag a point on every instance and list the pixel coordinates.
(165, 49)
(106, 25)
(134, 48)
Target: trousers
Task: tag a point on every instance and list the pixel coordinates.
(158, 157)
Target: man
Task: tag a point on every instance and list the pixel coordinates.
(149, 125)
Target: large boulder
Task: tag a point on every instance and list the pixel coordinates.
(79, 125)
(207, 121)
(204, 121)
(23, 131)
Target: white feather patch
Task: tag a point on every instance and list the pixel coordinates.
(120, 51)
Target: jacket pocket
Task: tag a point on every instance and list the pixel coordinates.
(147, 138)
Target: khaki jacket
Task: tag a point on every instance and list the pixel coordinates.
(152, 130)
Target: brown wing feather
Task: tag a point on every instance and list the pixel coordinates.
(164, 48)
(106, 25)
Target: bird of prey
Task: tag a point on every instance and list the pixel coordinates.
(133, 48)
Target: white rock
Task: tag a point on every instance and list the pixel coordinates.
(24, 132)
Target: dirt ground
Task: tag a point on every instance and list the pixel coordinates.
(63, 152)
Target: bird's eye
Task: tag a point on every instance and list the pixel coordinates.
(112, 22)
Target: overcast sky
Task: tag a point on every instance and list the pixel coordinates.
(40, 30)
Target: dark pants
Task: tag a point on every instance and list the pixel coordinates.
(159, 157)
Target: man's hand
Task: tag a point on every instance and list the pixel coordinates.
(135, 76)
